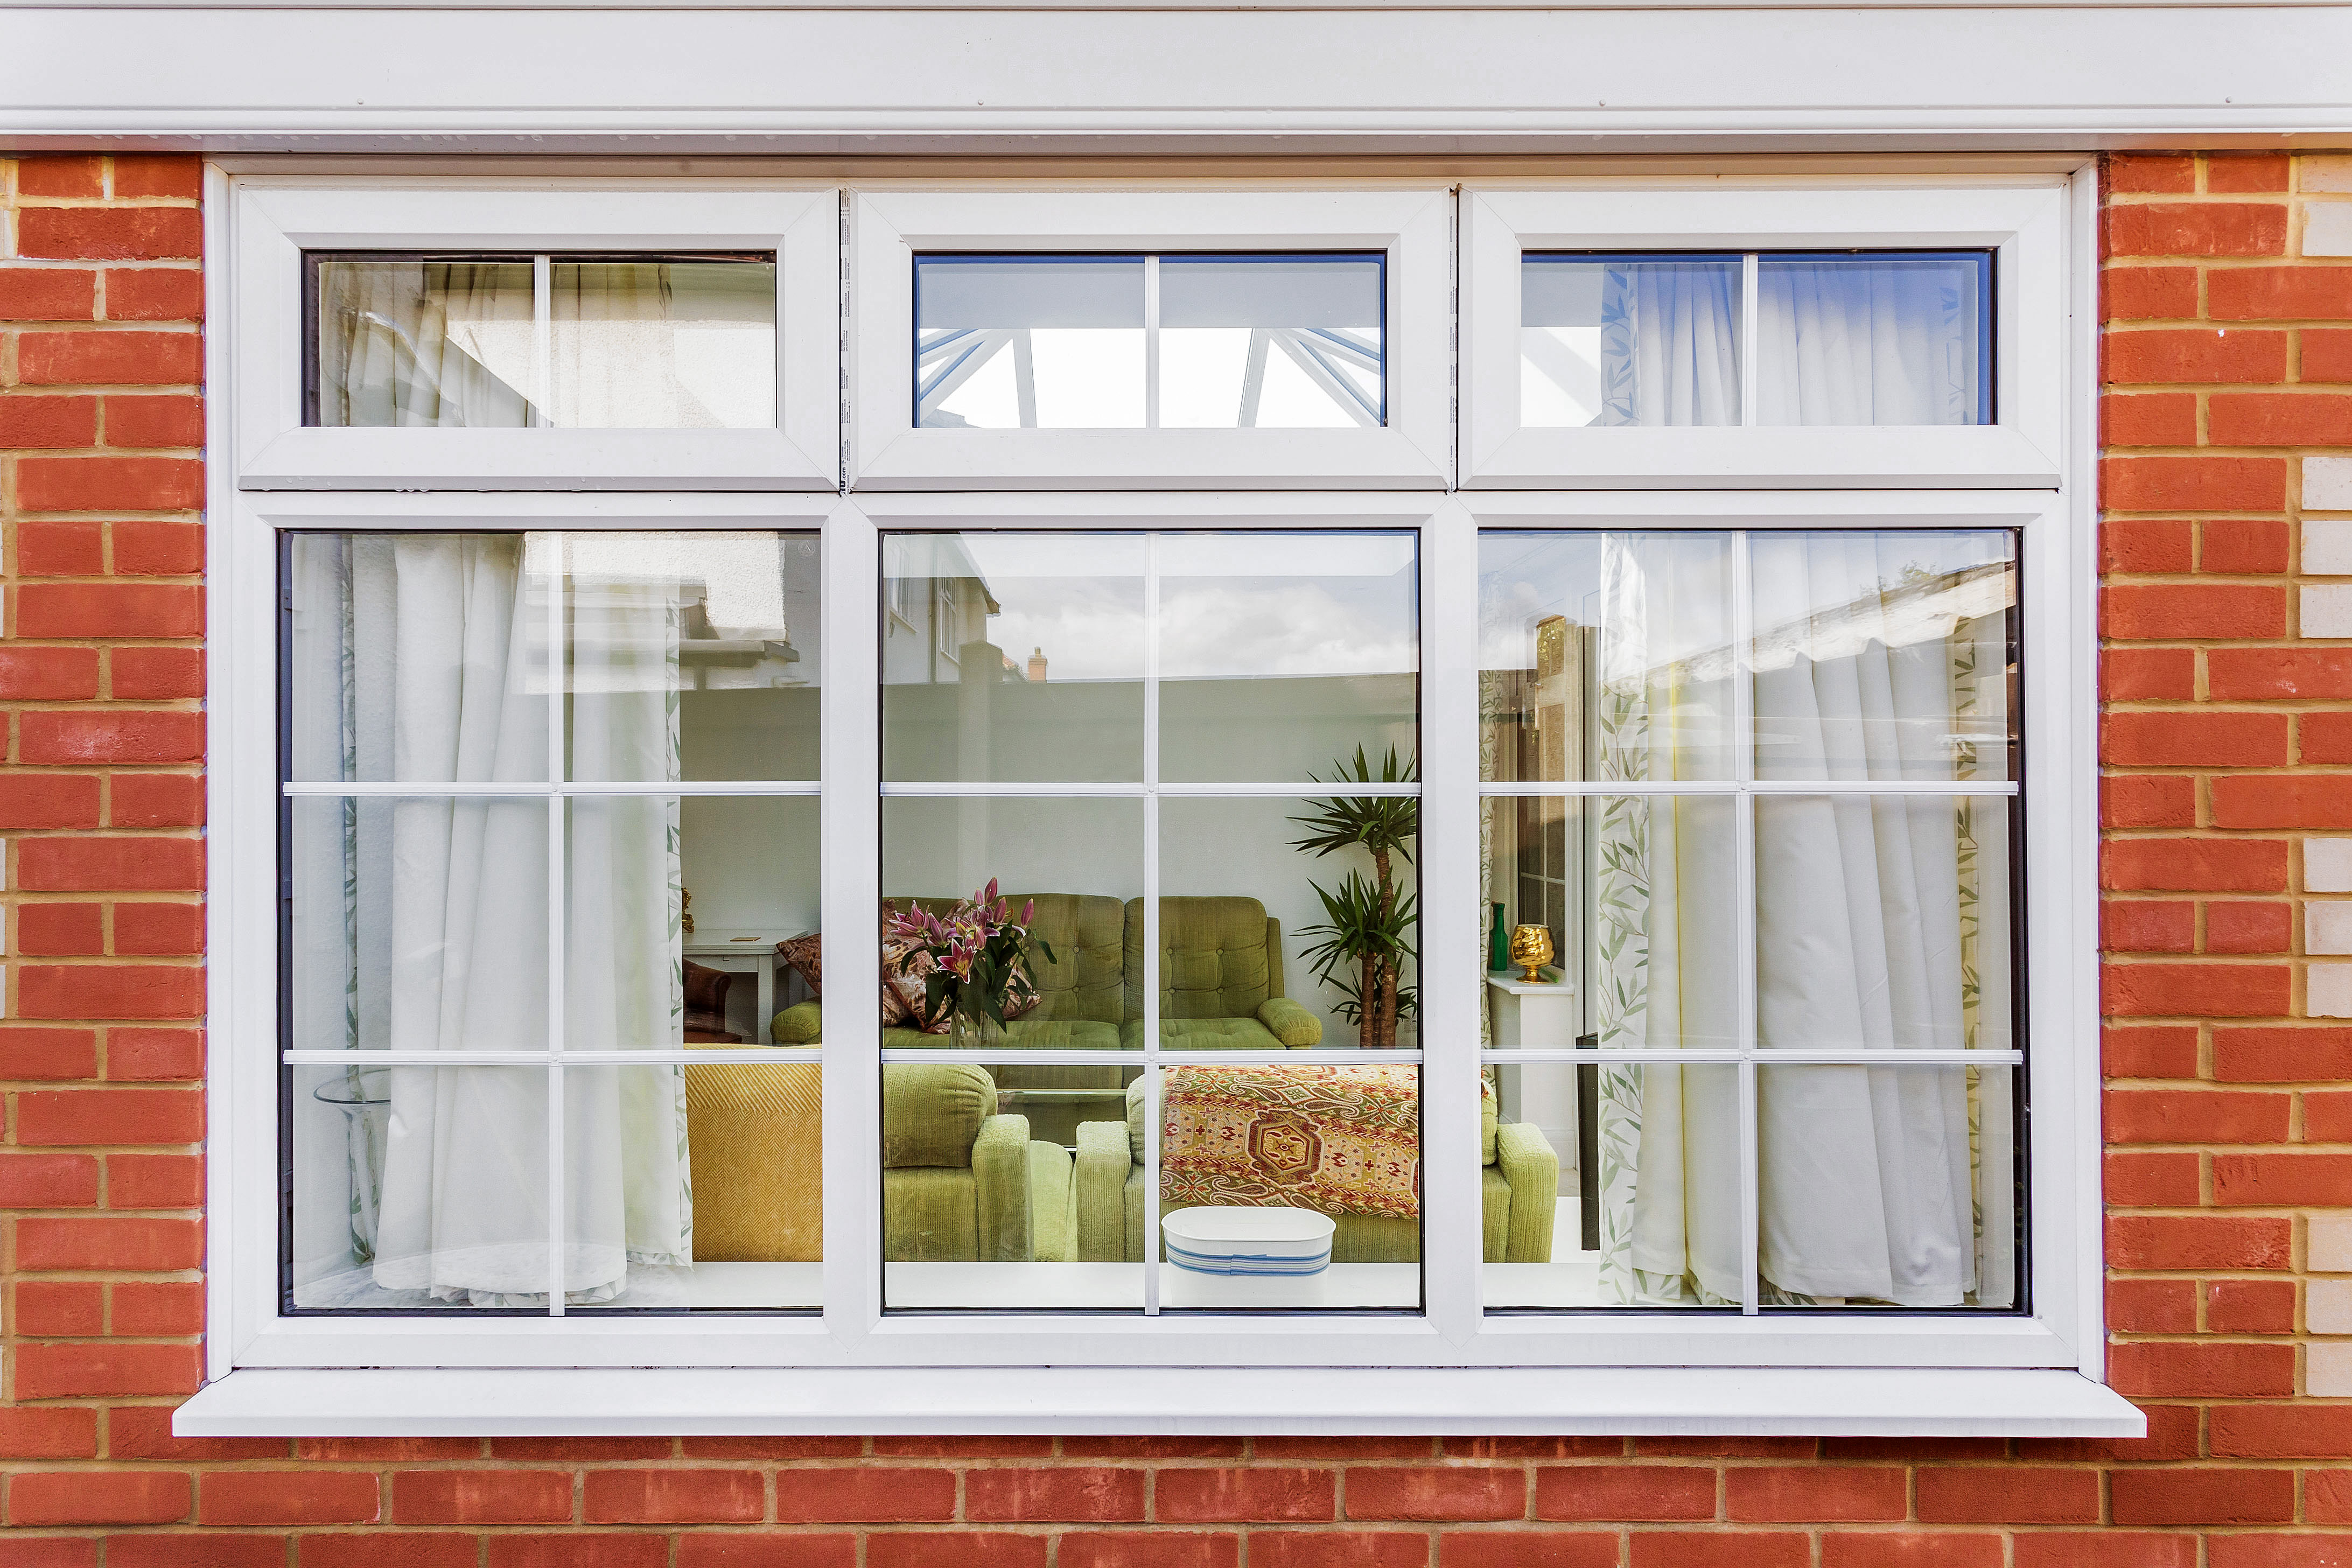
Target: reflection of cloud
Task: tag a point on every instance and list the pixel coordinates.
(1091, 628)
(1271, 627)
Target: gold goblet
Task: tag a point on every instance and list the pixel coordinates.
(1531, 950)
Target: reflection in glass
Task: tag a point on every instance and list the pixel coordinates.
(1644, 1158)
(1888, 1187)
(417, 923)
(418, 657)
(1882, 922)
(1013, 656)
(377, 1151)
(1629, 339)
(749, 871)
(1605, 656)
(1891, 338)
(1883, 656)
(1340, 1141)
(415, 341)
(658, 344)
(1271, 341)
(977, 1210)
(1282, 653)
(1029, 342)
(690, 656)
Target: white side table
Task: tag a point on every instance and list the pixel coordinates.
(743, 953)
(1542, 1016)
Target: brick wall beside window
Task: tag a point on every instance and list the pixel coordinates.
(2228, 751)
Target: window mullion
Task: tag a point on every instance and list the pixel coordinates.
(1751, 334)
(850, 819)
(1152, 343)
(542, 337)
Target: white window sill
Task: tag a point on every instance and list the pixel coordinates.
(1832, 1401)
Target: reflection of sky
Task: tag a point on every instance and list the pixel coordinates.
(1525, 577)
(1232, 604)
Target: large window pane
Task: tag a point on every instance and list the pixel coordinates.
(690, 656)
(1282, 653)
(1606, 656)
(1012, 657)
(1884, 923)
(1046, 342)
(1888, 1187)
(1629, 339)
(1883, 655)
(1609, 1184)
(1885, 339)
(1272, 342)
(418, 657)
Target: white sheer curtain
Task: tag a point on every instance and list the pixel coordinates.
(1881, 921)
(425, 344)
(443, 915)
(1860, 341)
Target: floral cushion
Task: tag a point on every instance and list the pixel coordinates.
(804, 955)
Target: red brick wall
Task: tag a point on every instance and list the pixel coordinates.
(2229, 1119)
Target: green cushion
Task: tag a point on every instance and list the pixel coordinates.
(798, 1025)
(1218, 958)
(931, 1114)
(1205, 1034)
(1029, 1034)
(1292, 1025)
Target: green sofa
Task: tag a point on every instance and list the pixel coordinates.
(1520, 1182)
(1221, 977)
(962, 1182)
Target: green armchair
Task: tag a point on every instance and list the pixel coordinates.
(1520, 1182)
(962, 1182)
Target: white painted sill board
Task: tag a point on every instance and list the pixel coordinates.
(1210, 1400)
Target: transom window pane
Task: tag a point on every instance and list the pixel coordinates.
(1262, 341)
(647, 343)
(1846, 338)
(1749, 796)
(1203, 1090)
(516, 924)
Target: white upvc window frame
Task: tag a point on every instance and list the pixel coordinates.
(1450, 1368)
(2022, 222)
(1412, 226)
(272, 221)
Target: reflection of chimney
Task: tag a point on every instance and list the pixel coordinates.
(1037, 665)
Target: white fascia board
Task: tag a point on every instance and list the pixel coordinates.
(673, 80)
(1838, 1402)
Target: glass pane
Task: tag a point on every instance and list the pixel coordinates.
(1265, 945)
(1006, 342)
(417, 342)
(980, 1212)
(1889, 339)
(1282, 653)
(691, 656)
(1605, 656)
(418, 657)
(1281, 1187)
(417, 924)
(1629, 339)
(749, 874)
(380, 1155)
(721, 1189)
(660, 344)
(1883, 656)
(1884, 921)
(1609, 1184)
(1635, 896)
(1271, 341)
(1013, 656)
(1889, 1187)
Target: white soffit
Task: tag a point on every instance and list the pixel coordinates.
(864, 78)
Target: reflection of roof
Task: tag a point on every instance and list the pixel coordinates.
(1922, 609)
(951, 552)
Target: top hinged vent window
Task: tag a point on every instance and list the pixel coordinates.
(1152, 339)
(406, 336)
(1701, 338)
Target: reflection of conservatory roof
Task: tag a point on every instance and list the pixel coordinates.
(735, 651)
(1923, 610)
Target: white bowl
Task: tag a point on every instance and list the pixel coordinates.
(1248, 1240)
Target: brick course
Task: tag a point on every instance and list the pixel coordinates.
(2228, 743)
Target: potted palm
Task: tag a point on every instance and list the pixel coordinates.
(1369, 924)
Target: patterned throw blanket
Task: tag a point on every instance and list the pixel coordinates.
(1337, 1140)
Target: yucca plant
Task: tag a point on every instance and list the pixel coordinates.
(1369, 926)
